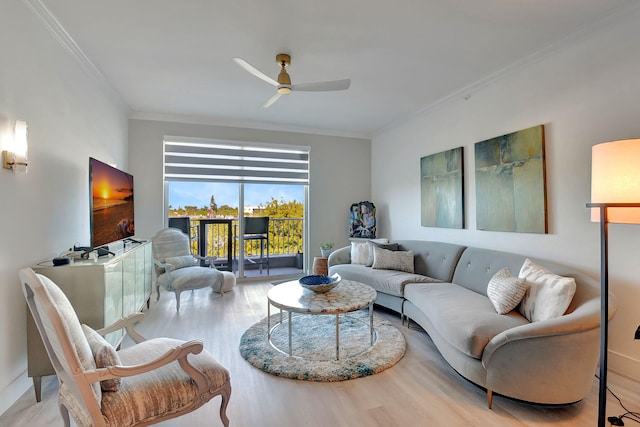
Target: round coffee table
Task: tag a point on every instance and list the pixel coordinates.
(348, 296)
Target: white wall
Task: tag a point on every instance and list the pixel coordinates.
(71, 117)
(585, 92)
(339, 174)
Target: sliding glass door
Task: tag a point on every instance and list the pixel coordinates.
(226, 191)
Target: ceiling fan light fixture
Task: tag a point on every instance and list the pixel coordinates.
(283, 84)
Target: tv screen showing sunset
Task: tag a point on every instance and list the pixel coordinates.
(112, 212)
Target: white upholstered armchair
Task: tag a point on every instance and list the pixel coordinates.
(144, 384)
(177, 269)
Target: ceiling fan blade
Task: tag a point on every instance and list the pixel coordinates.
(253, 70)
(323, 86)
(271, 101)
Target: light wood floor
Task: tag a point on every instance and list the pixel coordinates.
(421, 390)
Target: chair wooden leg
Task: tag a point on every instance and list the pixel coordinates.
(226, 394)
(37, 387)
(489, 398)
(177, 301)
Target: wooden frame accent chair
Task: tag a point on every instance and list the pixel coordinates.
(178, 270)
(151, 381)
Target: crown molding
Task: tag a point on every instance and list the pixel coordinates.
(246, 124)
(55, 28)
(465, 92)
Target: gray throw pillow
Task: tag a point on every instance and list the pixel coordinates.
(387, 246)
(104, 355)
(384, 259)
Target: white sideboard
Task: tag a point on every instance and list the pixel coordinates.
(101, 291)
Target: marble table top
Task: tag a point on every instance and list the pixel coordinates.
(347, 296)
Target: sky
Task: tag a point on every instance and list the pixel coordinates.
(199, 194)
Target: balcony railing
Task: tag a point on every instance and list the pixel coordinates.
(285, 240)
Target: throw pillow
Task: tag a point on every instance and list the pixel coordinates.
(360, 251)
(505, 291)
(387, 246)
(105, 355)
(177, 262)
(384, 259)
(548, 295)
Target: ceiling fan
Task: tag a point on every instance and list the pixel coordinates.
(283, 84)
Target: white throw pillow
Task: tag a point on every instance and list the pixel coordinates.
(360, 251)
(548, 295)
(384, 259)
(505, 291)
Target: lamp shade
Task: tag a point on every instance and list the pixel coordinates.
(615, 178)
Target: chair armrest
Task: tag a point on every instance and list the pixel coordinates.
(162, 265)
(128, 324)
(178, 353)
(206, 258)
(340, 256)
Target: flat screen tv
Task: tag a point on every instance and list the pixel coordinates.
(112, 214)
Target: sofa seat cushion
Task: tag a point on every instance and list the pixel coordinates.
(192, 278)
(168, 389)
(465, 319)
(390, 282)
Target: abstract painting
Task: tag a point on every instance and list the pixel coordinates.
(441, 189)
(510, 182)
(362, 223)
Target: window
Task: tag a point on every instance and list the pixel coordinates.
(228, 180)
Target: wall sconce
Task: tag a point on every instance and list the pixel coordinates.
(15, 158)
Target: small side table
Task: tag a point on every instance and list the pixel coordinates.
(320, 265)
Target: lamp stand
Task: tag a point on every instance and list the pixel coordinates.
(604, 302)
(604, 315)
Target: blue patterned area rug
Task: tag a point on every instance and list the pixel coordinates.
(314, 347)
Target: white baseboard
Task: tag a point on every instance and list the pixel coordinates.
(10, 394)
(624, 365)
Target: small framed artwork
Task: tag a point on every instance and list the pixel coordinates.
(441, 189)
(510, 182)
(362, 222)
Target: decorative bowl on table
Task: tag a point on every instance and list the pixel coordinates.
(319, 282)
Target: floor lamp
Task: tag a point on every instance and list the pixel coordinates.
(615, 198)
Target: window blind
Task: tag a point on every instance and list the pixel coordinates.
(232, 161)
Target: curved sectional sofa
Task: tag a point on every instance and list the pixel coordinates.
(550, 361)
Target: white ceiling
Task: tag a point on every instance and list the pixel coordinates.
(174, 57)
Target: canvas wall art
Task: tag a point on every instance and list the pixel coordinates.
(441, 186)
(510, 182)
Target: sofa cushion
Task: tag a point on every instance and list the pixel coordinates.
(384, 259)
(360, 250)
(192, 278)
(387, 246)
(390, 282)
(466, 319)
(505, 291)
(359, 253)
(548, 295)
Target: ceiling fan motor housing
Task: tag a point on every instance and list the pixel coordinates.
(283, 78)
